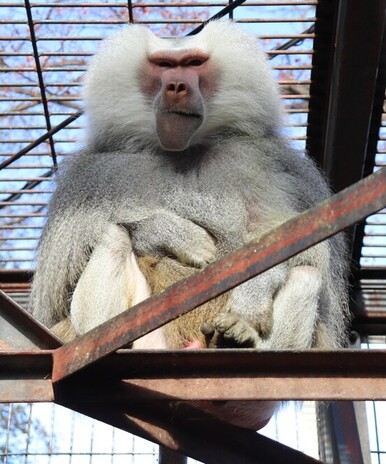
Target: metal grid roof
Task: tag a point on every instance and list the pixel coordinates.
(44, 51)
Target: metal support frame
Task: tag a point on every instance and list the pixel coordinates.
(204, 375)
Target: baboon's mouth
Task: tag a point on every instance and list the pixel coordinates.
(185, 113)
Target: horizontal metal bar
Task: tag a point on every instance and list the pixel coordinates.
(155, 4)
(297, 110)
(20, 227)
(293, 67)
(34, 113)
(98, 38)
(25, 191)
(29, 166)
(15, 276)
(12, 238)
(25, 377)
(11, 287)
(160, 20)
(27, 179)
(23, 141)
(2, 249)
(152, 364)
(54, 68)
(296, 235)
(23, 216)
(170, 4)
(294, 82)
(235, 374)
(275, 20)
(35, 154)
(26, 391)
(367, 272)
(87, 53)
(266, 388)
(205, 375)
(76, 98)
(295, 96)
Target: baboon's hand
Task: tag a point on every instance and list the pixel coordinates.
(230, 330)
(165, 233)
(293, 316)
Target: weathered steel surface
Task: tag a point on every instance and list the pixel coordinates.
(254, 388)
(231, 375)
(346, 433)
(167, 456)
(25, 377)
(296, 235)
(20, 331)
(26, 391)
(126, 364)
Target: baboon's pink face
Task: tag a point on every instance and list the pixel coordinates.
(180, 82)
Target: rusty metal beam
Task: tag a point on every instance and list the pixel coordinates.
(296, 235)
(345, 430)
(131, 405)
(368, 320)
(20, 331)
(15, 280)
(266, 388)
(339, 440)
(25, 377)
(230, 375)
(201, 375)
(168, 456)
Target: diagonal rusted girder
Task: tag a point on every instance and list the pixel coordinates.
(20, 331)
(296, 235)
(188, 430)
